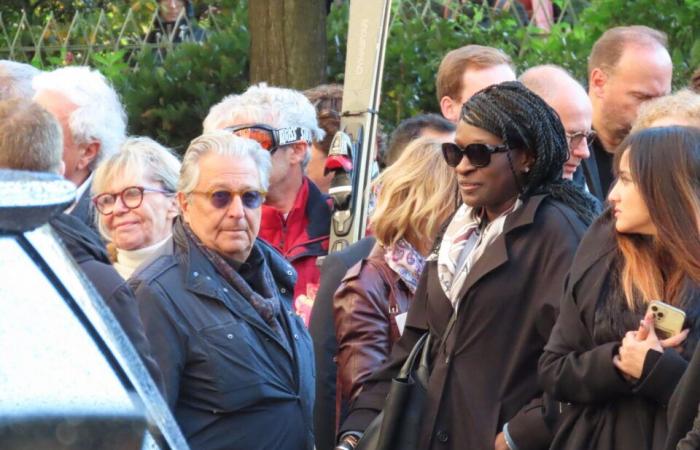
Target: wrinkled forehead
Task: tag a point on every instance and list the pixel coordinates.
(226, 171)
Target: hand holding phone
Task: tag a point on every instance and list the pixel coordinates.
(668, 320)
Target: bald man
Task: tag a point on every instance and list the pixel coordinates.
(569, 99)
(627, 67)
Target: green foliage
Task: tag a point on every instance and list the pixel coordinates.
(420, 36)
(169, 99)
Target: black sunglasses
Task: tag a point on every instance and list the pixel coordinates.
(479, 154)
(222, 198)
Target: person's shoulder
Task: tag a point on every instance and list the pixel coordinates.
(368, 274)
(553, 215)
(597, 248)
(282, 271)
(158, 269)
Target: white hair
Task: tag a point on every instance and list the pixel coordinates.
(263, 104)
(16, 79)
(226, 144)
(99, 115)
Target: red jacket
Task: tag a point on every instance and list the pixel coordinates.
(301, 238)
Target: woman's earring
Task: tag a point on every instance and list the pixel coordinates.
(526, 170)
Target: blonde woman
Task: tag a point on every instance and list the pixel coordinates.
(417, 194)
(134, 194)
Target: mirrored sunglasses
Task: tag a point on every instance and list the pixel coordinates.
(272, 138)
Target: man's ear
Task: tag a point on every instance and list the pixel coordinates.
(173, 208)
(88, 154)
(297, 152)
(450, 109)
(184, 206)
(597, 81)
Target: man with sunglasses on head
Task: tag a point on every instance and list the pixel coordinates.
(296, 215)
(570, 101)
(237, 362)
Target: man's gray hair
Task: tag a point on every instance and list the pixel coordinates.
(263, 104)
(30, 137)
(226, 144)
(16, 79)
(99, 116)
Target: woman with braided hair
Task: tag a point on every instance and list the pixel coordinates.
(490, 289)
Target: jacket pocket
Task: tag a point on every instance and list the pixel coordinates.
(239, 374)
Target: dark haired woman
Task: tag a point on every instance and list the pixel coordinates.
(500, 264)
(611, 372)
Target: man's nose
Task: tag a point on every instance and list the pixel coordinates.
(236, 208)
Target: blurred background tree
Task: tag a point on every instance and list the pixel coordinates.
(168, 88)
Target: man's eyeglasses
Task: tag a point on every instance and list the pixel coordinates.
(479, 154)
(270, 138)
(573, 140)
(222, 198)
(132, 197)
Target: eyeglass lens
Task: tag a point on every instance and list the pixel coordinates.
(250, 199)
(131, 198)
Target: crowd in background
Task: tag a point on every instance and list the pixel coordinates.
(522, 236)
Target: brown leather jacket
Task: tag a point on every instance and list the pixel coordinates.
(364, 309)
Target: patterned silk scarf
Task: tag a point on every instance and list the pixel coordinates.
(405, 260)
(463, 243)
(265, 303)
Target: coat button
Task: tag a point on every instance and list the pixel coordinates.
(229, 336)
(289, 272)
(283, 290)
(225, 289)
(442, 436)
(196, 274)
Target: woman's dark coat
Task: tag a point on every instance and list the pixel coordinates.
(600, 409)
(683, 412)
(365, 308)
(486, 373)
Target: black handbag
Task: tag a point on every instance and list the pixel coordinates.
(399, 423)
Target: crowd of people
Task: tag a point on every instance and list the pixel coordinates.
(526, 236)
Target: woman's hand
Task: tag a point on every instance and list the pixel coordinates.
(636, 344)
(500, 443)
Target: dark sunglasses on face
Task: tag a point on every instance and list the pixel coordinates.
(479, 154)
(222, 198)
(270, 138)
(131, 197)
(575, 139)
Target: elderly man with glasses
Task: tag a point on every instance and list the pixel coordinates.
(237, 362)
(295, 215)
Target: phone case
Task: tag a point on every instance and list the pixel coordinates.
(668, 320)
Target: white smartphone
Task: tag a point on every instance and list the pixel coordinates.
(668, 320)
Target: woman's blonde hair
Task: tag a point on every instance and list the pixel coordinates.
(140, 157)
(683, 105)
(416, 195)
